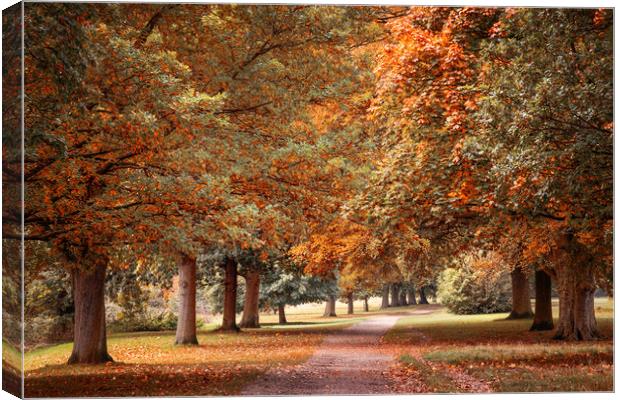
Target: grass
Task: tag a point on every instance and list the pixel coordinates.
(158, 367)
(505, 354)
(547, 353)
(148, 363)
(430, 344)
(430, 377)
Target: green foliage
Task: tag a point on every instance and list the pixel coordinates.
(290, 287)
(142, 308)
(464, 290)
(213, 293)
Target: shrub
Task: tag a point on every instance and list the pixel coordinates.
(466, 290)
(143, 308)
(153, 321)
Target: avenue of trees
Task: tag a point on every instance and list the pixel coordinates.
(317, 153)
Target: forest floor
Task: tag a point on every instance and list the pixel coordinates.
(401, 350)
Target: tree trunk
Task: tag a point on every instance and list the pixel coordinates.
(543, 316)
(577, 321)
(330, 307)
(281, 315)
(89, 343)
(422, 295)
(250, 305)
(576, 286)
(385, 298)
(403, 296)
(395, 295)
(521, 304)
(350, 303)
(365, 303)
(411, 293)
(186, 324)
(229, 322)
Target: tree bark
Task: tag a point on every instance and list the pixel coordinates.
(250, 305)
(350, 303)
(395, 295)
(403, 296)
(577, 320)
(89, 343)
(385, 298)
(423, 299)
(186, 324)
(576, 286)
(229, 322)
(330, 307)
(365, 303)
(543, 316)
(411, 293)
(281, 315)
(521, 304)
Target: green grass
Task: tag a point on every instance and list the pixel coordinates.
(556, 379)
(432, 378)
(444, 326)
(546, 352)
(506, 355)
(341, 322)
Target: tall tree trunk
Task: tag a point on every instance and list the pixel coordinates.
(89, 343)
(521, 304)
(281, 315)
(366, 303)
(576, 286)
(577, 320)
(330, 307)
(250, 305)
(423, 299)
(186, 324)
(350, 303)
(411, 293)
(395, 295)
(403, 296)
(543, 316)
(385, 296)
(229, 322)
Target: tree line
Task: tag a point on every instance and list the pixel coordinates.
(370, 145)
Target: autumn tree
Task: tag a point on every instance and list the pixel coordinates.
(97, 156)
(547, 115)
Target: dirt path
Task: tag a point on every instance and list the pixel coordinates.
(347, 362)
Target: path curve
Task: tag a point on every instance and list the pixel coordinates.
(348, 361)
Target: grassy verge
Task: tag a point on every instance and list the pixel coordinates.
(504, 353)
(148, 363)
(432, 378)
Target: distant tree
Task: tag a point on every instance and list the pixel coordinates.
(282, 287)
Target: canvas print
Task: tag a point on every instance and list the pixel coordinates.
(224, 199)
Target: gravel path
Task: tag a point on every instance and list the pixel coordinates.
(346, 362)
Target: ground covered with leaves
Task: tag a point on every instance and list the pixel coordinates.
(149, 364)
(447, 353)
(433, 351)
